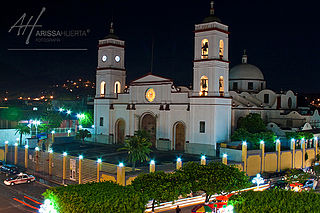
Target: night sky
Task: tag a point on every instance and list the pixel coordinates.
(281, 38)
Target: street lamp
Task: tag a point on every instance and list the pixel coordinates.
(36, 123)
(121, 165)
(61, 109)
(68, 112)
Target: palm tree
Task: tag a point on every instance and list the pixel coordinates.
(82, 134)
(138, 147)
(22, 130)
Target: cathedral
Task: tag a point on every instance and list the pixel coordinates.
(177, 118)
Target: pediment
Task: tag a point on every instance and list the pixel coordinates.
(151, 79)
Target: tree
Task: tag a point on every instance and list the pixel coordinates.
(161, 187)
(254, 138)
(299, 135)
(53, 119)
(22, 130)
(213, 178)
(82, 134)
(253, 123)
(138, 147)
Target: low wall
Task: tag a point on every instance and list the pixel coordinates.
(11, 136)
(196, 148)
(233, 154)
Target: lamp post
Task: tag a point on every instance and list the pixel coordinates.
(179, 163)
(16, 153)
(203, 160)
(52, 135)
(37, 158)
(99, 161)
(6, 150)
(80, 168)
(26, 156)
(64, 166)
(36, 123)
(50, 161)
(69, 131)
(152, 166)
(121, 174)
(225, 159)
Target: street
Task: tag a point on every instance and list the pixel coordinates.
(20, 198)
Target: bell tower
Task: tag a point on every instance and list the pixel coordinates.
(211, 62)
(111, 73)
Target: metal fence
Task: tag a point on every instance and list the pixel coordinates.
(38, 164)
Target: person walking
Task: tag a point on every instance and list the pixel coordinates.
(178, 210)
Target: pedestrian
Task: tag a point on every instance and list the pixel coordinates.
(178, 210)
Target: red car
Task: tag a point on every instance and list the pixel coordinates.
(19, 178)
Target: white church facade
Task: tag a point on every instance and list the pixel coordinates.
(176, 118)
(183, 119)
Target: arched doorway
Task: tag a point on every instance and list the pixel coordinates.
(120, 131)
(148, 123)
(179, 136)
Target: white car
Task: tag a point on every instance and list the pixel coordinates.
(18, 179)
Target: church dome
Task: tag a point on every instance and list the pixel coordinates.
(245, 71)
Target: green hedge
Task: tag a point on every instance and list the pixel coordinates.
(276, 201)
(83, 198)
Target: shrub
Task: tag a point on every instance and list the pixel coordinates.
(96, 197)
(275, 201)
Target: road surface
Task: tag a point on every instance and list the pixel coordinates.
(20, 198)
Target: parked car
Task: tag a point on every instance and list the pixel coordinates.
(18, 179)
(279, 184)
(9, 169)
(310, 184)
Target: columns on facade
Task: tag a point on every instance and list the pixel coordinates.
(262, 148)
(315, 144)
(293, 148)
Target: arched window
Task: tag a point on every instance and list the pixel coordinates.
(204, 86)
(221, 86)
(221, 48)
(102, 89)
(204, 48)
(289, 103)
(117, 87)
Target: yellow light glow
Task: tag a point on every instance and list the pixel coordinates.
(51, 96)
(204, 48)
(102, 88)
(221, 48)
(204, 86)
(221, 84)
(150, 94)
(117, 87)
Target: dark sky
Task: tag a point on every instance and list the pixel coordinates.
(281, 38)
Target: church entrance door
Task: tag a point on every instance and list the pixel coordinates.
(180, 136)
(148, 124)
(120, 131)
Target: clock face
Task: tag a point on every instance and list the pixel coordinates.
(150, 94)
(117, 58)
(104, 58)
